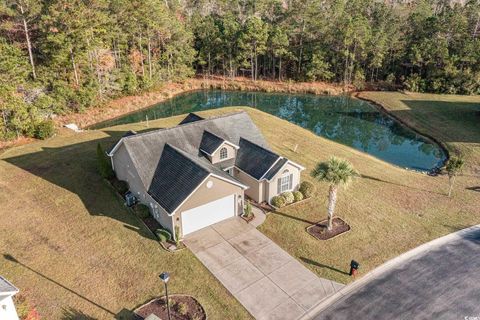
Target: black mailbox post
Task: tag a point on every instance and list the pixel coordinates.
(354, 265)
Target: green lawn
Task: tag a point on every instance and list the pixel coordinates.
(80, 252)
(452, 119)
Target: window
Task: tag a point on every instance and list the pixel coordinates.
(284, 182)
(223, 153)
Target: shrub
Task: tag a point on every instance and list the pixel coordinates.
(141, 210)
(177, 235)
(307, 189)
(297, 195)
(279, 201)
(44, 129)
(121, 186)
(163, 235)
(181, 308)
(247, 211)
(103, 164)
(288, 197)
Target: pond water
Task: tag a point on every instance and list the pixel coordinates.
(349, 121)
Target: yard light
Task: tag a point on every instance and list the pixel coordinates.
(164, 276)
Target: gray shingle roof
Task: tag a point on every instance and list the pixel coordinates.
(191, 117)
(146, 149)
(175, 178)
(273, 171)
(254, 159)
(6, 286)
(210, 142)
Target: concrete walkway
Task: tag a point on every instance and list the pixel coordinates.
(437, 280)
(266, 280)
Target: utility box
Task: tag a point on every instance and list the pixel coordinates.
(130, 199)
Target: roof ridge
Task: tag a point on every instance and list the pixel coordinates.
(259, 146)
(205, 166)
(186, 155)
(185, 124)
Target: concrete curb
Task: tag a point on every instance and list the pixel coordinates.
(326, 303)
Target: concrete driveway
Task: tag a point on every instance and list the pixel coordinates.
(268, 282)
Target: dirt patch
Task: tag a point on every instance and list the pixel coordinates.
(320, 231)
(181, 308)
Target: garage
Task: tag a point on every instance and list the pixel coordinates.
(208, 214)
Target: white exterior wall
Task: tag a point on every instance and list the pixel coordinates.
(7, 308)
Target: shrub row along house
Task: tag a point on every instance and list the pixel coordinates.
(198, 173)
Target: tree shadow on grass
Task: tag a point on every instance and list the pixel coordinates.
(399, 184)
(73, 167)
(11, 258)
(292, 217)
(321, 265)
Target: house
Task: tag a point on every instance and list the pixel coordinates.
(7, 308)
(198, 173)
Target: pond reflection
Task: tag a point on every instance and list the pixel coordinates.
(343, 119)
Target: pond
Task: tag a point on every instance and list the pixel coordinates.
(343, 119)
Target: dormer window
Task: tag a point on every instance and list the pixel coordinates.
(223, 153)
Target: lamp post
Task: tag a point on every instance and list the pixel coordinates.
(165, 277)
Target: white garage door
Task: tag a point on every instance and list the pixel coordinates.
(207, 214)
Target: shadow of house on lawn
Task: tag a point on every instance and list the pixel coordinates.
(73, 167)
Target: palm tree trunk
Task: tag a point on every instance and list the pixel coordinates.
(332, 201)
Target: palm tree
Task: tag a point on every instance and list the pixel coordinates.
(454, 166)
(336, 172)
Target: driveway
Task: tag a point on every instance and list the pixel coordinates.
(266, 280)
(441, 281)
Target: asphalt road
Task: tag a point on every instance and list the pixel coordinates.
(441, 283)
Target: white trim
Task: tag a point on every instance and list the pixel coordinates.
(226, 142)
(296, 165)
(110, 154)
(279, 158)
(111, 160)
(247, 174)
(244, 187)
(241, 185)
(221, 144)
(188, 197)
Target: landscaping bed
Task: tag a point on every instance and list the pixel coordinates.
(182, 307)
(319, 230)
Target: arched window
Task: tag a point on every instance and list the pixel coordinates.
(284, 182)
(223, 153)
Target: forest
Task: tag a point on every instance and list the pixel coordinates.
(61, 56)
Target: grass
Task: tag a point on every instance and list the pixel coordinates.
(453, 120)
(70, 245)
(79, 251)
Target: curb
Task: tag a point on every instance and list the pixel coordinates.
(326, 303)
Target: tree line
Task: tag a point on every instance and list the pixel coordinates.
(59, 56)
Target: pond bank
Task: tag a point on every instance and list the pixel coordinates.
(382, 108)
(125, 105)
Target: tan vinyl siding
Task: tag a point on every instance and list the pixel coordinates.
(231, 153)
(272, 186)
(125, 170)
(255, 191)
(204, 195)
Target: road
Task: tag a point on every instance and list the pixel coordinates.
(440, 283)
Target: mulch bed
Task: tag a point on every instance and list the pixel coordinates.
(320, 231)
(264, 205)
(152, 223)
(193, 309)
